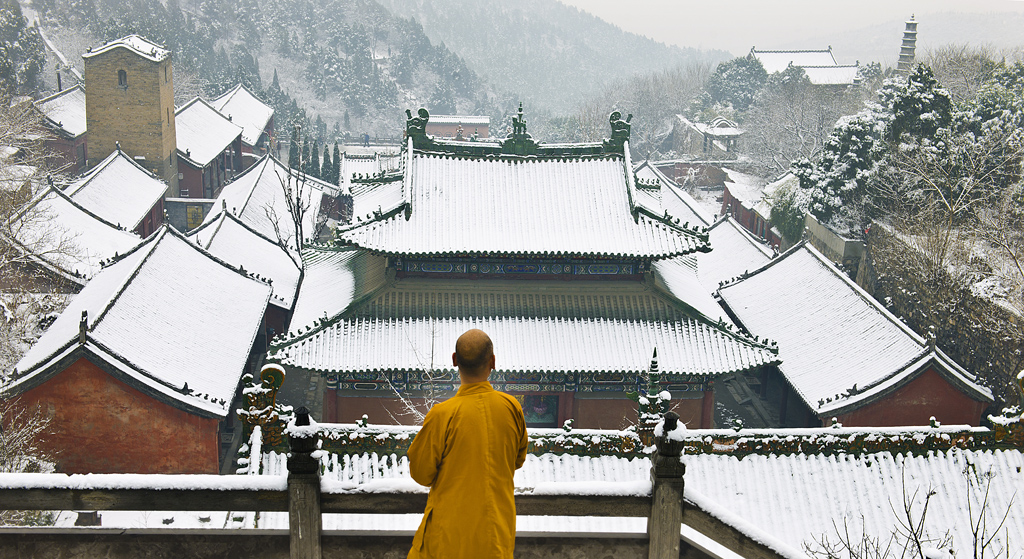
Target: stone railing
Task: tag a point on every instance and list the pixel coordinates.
(305, 497)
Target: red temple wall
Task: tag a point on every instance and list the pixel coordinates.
(102, 425)
(915, 403)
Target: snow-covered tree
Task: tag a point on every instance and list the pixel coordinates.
(737, 82)
(21, 51)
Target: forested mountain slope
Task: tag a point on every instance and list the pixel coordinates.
(542, 50)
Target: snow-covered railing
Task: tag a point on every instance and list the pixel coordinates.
(306, 497)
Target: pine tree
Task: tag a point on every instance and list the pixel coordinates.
(294, 160)
(326, 168)
(314, 160)
(336, 174)
(348, 125)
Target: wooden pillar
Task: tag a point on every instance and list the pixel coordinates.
(707, 406)
(304, 521)
(667, 494)
(330, 413)
(764, 382)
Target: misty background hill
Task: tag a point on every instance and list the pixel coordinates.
(542, 50)
(881, 42)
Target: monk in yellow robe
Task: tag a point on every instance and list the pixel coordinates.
(467, 452)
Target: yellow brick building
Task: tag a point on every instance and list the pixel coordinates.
(130, 101)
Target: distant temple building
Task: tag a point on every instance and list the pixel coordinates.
(554, 250)
(819, 65)
(64, 114)
(459, 127)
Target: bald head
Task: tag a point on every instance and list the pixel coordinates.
(474, 355)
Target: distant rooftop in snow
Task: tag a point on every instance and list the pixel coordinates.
(202, 132)
(167, 318)
(65, 111)
(134, 43)
(118, 189)
(231, 240)
(245, 109)
(59, 234)
(461, 119)
(257, 198)
(819, 65)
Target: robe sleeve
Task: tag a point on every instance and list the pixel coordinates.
(426, 450)
(524, 440)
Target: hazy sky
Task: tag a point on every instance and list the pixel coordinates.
(736, 25)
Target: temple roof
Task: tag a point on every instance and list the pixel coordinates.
(134, 43)
(540, 326)
(231, 240)
(333, 279)
(674, 200)
(778, 60)
(62, 236)
(840, 348)
(65, 111)
(819, 65)
(509, 205)
(166, 318)
(202, 132)
(735, 252)
(257, 198)
(245, 109)
(118, 189)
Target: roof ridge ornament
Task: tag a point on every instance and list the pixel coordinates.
(416, 128)
(519, 141)
(620, 132)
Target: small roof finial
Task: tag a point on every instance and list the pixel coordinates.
(83, 326)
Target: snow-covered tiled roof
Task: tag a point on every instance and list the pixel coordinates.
(460, 119)
(134, 43)
(832, 75)
(678, 278)
(744, 187)
(118, 189)
(65, 110)
(163, 316)
(582, 206)
(733, 252)
(66, 238)
(839, 347)
(674, 200)
(799, 497)
(257, 198)
(332, 280)
(227, 238)
(540, 326)
(778, 60)
(245, 109)
(202, 132)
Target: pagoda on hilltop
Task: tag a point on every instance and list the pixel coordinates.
(547, 247)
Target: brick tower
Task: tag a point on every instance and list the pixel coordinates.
(906, 61)
(130, 100)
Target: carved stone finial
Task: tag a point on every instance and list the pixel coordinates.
(620, 131)
(416, 127)
(665, 463)
(83, 327)
(519, 141)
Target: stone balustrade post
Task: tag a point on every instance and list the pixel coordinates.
(667, 494)
(304, 521)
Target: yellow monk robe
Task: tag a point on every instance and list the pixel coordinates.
(467, 452)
